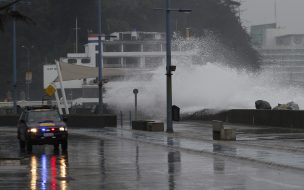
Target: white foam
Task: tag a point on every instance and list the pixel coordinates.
(199, 86)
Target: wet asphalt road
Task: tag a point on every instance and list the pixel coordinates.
(124, 159)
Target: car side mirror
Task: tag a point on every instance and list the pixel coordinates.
(22, 121)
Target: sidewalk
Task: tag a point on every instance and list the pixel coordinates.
(271, 146)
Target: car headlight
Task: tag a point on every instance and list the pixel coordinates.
(33, 130)
(62, 129)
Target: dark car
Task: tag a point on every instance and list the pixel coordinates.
(42, 125)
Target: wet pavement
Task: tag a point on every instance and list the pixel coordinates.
(119, 158)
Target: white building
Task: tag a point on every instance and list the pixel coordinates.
(128, 51)
(282, 51)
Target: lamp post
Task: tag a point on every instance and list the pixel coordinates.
(28, 74)
(100, 62)
(135, 91)
(169, 67)
(14, 65)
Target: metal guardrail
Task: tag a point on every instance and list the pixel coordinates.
(24, 103)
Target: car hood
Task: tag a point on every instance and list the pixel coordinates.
(46, 124)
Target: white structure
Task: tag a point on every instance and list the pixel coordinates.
(138, 51)
(282, 52)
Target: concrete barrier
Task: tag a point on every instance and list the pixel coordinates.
(240, 116)
(73, 120)
(228, 134)
(207, 115)
(220, 132)
(8, 120)
(91, 121)
(275, 118)
(140, 124)
(216, 129)
(155, 126)
(147, 125)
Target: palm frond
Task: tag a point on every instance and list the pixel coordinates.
(7, 6)
(6, 14)
(20, 17)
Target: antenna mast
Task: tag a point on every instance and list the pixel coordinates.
(275, 12)
(76, 31)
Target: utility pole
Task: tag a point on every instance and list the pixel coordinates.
(168, 68)
(14, 64)
(76, 35)
(275, 12)
(135, 91)
(100, 61)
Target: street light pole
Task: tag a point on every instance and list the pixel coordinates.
(14, 64)
(135, 91)
(168, 69)
(100, 61)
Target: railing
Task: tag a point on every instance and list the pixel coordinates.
(24, 103)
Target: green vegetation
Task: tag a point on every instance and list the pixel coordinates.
(53, 35)
(8, 14)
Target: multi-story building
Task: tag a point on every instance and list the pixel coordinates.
(126, 53)
(282, 52)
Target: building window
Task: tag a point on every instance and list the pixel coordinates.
(85, 61)
(126, 37)
(132, 48)
(72, 61)
(297, 39)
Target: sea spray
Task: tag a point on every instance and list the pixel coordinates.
(198, 85)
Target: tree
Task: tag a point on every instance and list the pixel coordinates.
(7, 13)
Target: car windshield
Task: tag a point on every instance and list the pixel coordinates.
(40, 116)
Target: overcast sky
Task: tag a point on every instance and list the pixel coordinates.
(290, 13)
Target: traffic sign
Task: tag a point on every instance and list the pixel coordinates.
(28, 77)
(50, 90)
(135, 91)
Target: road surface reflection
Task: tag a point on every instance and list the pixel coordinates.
(48, 172)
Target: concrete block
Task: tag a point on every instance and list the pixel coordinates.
(140, 125)
(9, 120)
(155, 126)
(217, 126)
(91, 121)
(220, 132)
(228, 134)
